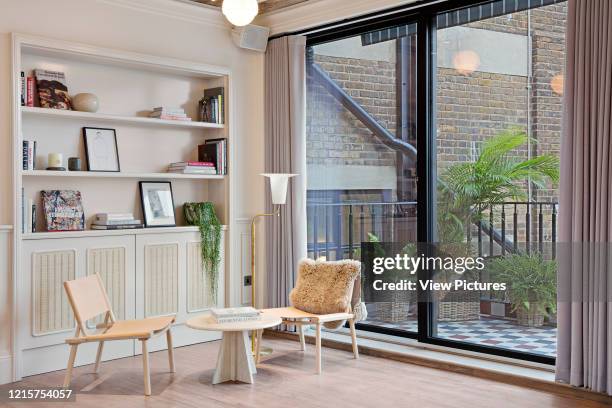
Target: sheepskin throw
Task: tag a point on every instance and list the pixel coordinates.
(325, 287)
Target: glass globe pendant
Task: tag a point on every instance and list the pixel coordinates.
(240, 12)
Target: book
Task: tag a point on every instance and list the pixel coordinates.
(171, 117)
(194, 171)
(215, 109)
(215, 151)
(236, 319)
(29, 155)
(30, 91)
(30, 216)
(116, 227)
(118, 222)
(193, 164)
(102, 218)
(33, 229)
(23, 88)
(234, 312)
(169, 109)
(63, 210)
(52, 89)
(164, 113)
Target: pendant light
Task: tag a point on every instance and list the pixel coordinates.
(240, 12)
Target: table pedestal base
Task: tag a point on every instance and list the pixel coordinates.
(235, 361)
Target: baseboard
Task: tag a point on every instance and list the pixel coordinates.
(534, 383)
(6, 369)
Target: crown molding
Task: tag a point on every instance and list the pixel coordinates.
(318, 12)
(178, 9)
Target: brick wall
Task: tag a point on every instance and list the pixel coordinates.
(334, 135)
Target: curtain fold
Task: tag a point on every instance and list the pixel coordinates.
(285, 139)
(584, 356)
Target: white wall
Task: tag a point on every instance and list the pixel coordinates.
(159, 27)
(5, 299)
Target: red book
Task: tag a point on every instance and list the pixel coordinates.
(30, 91)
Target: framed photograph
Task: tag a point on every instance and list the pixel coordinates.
(157, 203)
(101, 149)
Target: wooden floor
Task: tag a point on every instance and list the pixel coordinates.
(286, 379)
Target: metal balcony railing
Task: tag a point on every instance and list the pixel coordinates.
(336, 230)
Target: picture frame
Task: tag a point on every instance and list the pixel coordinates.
(157, 204)
(101, 149)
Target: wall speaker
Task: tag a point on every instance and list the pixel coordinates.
(251, 37)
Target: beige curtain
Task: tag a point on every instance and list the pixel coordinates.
(285, 139)
(584, 356)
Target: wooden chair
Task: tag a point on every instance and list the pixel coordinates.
(316, 280)
(88, 299)
(299, 318)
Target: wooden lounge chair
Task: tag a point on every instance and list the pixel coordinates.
(88, 299)
(299, 318)
(340, 282)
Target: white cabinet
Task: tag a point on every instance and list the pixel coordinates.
(145, 274)
(170, 280)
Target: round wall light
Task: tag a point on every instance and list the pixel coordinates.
(240, 12)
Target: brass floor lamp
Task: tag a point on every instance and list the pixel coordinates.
(278, 188)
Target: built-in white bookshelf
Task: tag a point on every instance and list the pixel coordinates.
(128, 86)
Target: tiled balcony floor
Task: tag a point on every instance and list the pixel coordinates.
(490, 332)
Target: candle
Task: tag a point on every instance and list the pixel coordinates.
(55, 160)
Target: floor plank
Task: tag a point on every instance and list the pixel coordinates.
(286, 379)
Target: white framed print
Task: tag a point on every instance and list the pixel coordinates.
(157, 203)
(101, 149)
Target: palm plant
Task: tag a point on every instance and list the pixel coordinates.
(466, 189)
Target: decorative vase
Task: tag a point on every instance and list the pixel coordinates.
(85, 102)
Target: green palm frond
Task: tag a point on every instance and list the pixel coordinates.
(497, 175)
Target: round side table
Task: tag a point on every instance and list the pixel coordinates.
(235, 360)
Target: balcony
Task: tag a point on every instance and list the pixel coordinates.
(336, 231)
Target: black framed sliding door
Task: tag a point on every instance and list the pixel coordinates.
(414, 117)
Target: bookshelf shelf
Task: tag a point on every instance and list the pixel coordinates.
(137, 120)
(95, 174)
(104, 233)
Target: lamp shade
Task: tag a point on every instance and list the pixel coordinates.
(240, 12)
(278, 186)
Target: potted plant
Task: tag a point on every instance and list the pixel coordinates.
(531, 285)
(497, 175)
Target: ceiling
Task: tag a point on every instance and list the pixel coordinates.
(265, 6)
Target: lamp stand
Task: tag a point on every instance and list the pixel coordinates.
(276, 212)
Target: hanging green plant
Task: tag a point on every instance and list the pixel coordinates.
(203, 215)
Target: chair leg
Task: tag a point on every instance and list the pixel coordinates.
(302, 338)
(354, 337)
(170, 351)
(99, 357)
(145, 368)
(318, 348)
(73, 352)
(258, 346)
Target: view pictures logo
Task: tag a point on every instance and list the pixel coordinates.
(411, 264)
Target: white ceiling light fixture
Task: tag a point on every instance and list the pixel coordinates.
(240, 12)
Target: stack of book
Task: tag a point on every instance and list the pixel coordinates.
(193, 167)
(27, 89)
(215, 151)
(29, 155)
(169, 113)
(235, 314)
(115, 221)
(214, 100)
